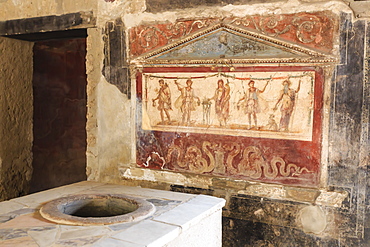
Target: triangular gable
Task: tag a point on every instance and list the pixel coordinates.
(226, 42)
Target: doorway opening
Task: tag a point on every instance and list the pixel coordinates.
(59, 130)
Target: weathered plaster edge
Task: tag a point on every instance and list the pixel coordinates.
(361, 9)
(93, 61)
(133, 111)
(312, 196)
(164, 177)
(328, 74)
(283, 7)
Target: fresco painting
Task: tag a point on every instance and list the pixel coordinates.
(253, 123)
(314, 30)
(236, 157)
(239, 98)
(276, 104)
(224, 42)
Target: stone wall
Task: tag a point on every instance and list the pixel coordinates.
(16, 118)
(349, 129)
(21, 9)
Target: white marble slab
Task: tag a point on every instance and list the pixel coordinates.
(192, 212)
(178, 219)
(9, 206)
(110, 242)
(150, 233)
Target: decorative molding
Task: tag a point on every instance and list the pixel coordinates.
(238, 31)
(303, 32)
(240, 62)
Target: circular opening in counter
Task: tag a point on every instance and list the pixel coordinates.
(96, 209)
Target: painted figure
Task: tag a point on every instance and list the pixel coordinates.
(287, 99)
(186, 101)
(206, 111)
(251, 104)
(272, 125)
(222, 98)
(164, 101)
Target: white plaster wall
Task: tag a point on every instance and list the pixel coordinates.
(109, 121)
(114, 128)
(15, 117)
(111, 10)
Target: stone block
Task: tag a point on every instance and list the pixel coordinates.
(47, 23)
(302, 195)
(228, 183)
(191, 190)
(259, 209)
(245, 233)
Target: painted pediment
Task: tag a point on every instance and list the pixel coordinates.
(226, 42)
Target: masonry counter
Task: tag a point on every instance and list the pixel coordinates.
(178, 220)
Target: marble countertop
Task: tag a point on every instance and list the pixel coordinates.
(22, 225)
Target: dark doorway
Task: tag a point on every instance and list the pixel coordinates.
(59, 84)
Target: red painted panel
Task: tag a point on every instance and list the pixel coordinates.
(59, 86)
(272, 160)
